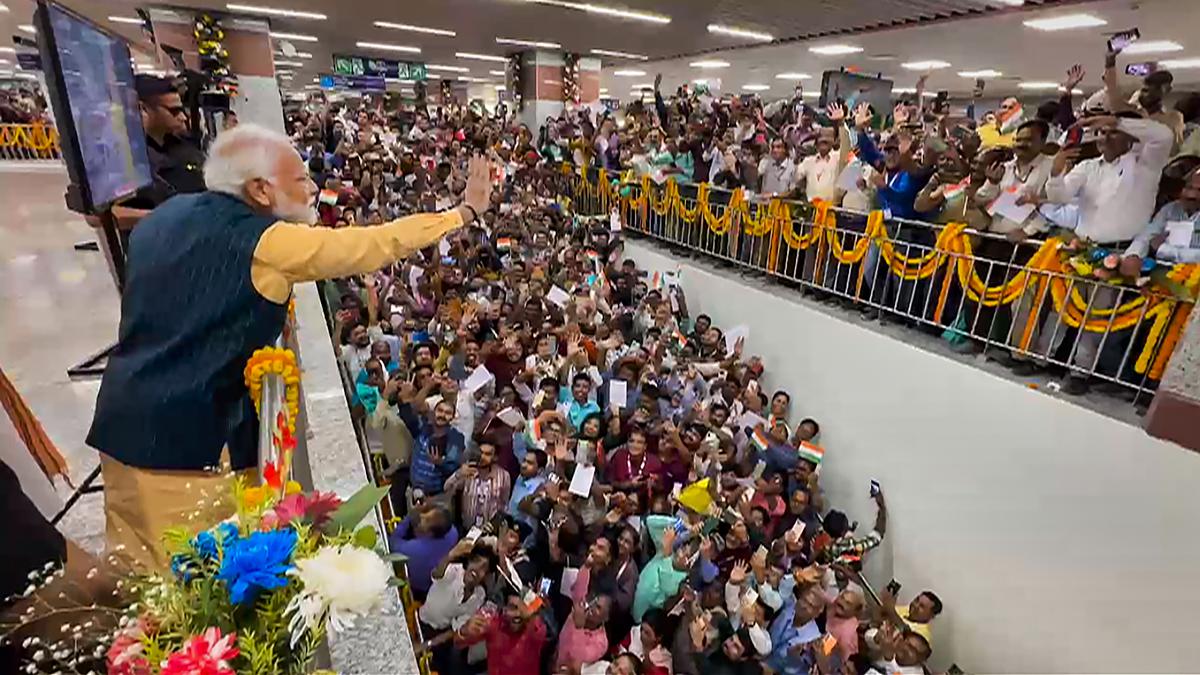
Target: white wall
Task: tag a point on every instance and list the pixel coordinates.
(1060, 540)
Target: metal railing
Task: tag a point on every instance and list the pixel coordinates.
(29, 142)
(983, 293)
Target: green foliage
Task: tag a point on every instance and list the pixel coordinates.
(353, 510)
(256, 655)
(366, 537)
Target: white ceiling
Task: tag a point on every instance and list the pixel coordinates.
(935, 31)
(999, 42)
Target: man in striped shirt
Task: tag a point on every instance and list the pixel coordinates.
(483, 488)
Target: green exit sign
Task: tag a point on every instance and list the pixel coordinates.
(363, 65)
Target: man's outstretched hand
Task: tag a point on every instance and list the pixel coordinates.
(479, 184)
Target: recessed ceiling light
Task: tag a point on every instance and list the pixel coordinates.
(298, 55)
(294, 64)
(500, 87)
(1038, 85)
(603, 90)
(1065, 22)
(125, 19)
(7, 50)
(449, 69)
(1013, 3)
(1180, 63)
(979, 73)
(285, 76)
(834, 50)
(925, 65)
(312, 86)
(700, 81)
(294, 36)
(756, 87)
(25, 76)
(271, 11)
(904, 90)
(629, 73)
(499, 73)
(415, 29)
(1152, 47)
(709, 64)
(383, 46)
(811, 94)
(643, 86)
(28, 28)
(607, 11)
(528, 43)
(620, 55)
(740, 32)
(793, 76)
(481, 57)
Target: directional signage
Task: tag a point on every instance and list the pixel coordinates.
(355, 82)
(362, 65)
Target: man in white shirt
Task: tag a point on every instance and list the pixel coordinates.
(1114, 195)
(1025, 174)
(819, 173)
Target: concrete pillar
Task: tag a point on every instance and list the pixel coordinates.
(251, 59)
(1174, 414)
(541, 87)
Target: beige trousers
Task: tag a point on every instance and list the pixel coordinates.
(140, 504)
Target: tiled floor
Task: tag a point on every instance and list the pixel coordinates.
(57, 306)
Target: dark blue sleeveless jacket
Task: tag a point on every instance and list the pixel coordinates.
(173, 393)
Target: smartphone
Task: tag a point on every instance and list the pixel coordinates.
(473, 534)
(544, 587)
(1141, 69)
(1119, 41)
(874, 488)
(1074, 137)
(893, 587)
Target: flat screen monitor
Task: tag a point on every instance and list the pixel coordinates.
(852, 89)
(95, 104)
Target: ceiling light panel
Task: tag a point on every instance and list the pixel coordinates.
(1066, 22)
(740, 33)
(415, 29)
(272, 11)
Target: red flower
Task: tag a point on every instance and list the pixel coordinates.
(205, 654)
(273, 476)
(126, 657)
(315, 508)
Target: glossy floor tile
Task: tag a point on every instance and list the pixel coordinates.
(57, 306)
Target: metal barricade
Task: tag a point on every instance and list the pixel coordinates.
(29, 142)
(983, 293)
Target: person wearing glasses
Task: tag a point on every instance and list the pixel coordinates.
(176, 159)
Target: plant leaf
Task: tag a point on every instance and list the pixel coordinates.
(353, 510)
(366, 537)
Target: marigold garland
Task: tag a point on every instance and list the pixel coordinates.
(283, 362)
(1044, 271)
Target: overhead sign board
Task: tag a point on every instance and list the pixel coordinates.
(353, 82)
(362, 65)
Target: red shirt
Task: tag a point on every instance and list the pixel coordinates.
(514, 653)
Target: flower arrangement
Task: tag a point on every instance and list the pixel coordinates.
(255, 594)
(275, 360)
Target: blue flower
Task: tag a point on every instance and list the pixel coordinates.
(258, 562)
(183, 567)
(208, 543)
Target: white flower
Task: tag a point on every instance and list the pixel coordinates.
(340, 583)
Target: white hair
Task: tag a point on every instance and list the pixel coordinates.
(243, 154)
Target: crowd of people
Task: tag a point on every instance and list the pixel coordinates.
(589, 476)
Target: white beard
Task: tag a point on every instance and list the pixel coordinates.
(303, 213)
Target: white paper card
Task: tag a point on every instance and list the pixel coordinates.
(1179, 233)
(618, 393)
(477, 379)
(511, 416)
(732, 335)
(581, 480)
(444, 246)
(749, 597)
(1006, 205)
(614, 221)
(569, 575)
(558, 296)
(848, 178)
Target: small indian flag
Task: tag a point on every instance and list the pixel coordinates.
(656, 281)
(592, 255)
(811, 453)
(504, 244)
(760, 439)
(680, 338)
(952, 191)
(329, 197)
